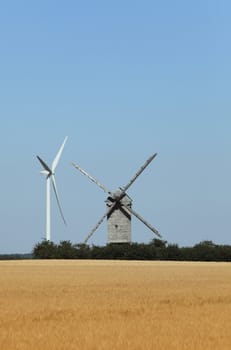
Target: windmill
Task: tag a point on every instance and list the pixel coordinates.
(119, 209)
(49, 172)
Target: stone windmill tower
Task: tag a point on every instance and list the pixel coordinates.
(119, 209)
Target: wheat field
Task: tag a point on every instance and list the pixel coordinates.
(54, 305)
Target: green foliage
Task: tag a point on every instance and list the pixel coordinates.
(172, 252)
(155, 250)
(45, 250)
(15, 256)
(65, 250)
(158, 243)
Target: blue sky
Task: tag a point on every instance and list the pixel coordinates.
(122, 79)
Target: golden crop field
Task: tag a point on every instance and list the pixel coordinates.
(54, 305)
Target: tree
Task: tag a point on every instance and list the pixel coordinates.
(156, 250)
(45, 250)
(173, 252)
(158, 243)
(82, 251)
(66, 250)
(205, 251)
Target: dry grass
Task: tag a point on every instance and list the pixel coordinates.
(114, 305)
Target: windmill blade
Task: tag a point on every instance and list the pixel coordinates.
(58, 155)
(45, 166)
(148, 161)
(104, 188)
(57, 197)
(95, 228)
(99, 222)
(132, 211)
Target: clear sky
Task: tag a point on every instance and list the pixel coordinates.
(123, 79)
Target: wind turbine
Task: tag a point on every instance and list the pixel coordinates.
(49, 172)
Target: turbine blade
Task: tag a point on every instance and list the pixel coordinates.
(45, 166)
(58, 155)
(148, 161)
(143, 220)
(99, 223)
(44, 172)
(104, 188)
(57, 197)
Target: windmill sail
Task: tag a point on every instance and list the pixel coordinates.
(119, 209)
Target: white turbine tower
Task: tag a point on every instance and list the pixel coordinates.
(49, 172)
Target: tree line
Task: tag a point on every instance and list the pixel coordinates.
(155, 250)
(15, 256)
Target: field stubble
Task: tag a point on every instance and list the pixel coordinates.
(59, 305)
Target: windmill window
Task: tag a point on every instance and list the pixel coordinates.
(116, 226)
